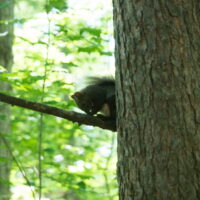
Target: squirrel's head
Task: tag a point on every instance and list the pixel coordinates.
(84, 103)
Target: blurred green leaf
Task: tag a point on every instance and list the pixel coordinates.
(3, 159)
(106, 53)
(55, 4)
(88, 49)
(82, 185)
(2, 117)
(49, 150)
(93, 31)
(4, 181)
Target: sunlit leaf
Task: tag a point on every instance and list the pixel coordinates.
(93, 31)
(55, 4)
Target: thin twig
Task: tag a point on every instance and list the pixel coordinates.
(23, 172)
(40, 134)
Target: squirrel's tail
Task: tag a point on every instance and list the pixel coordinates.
(101, 81)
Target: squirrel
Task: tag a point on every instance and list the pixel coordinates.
(98, 96)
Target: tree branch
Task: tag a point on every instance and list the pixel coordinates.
(69, 115)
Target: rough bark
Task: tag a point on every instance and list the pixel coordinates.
(158, 92)
(6, 60)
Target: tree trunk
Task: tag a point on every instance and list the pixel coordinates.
(6, 60)
(158, 93)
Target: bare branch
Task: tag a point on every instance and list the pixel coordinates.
(69, 115)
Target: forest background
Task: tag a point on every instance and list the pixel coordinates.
(57, 45)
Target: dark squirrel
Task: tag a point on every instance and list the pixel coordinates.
(98, 96)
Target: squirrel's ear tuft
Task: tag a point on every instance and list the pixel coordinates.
(76, 95)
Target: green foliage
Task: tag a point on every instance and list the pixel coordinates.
(85, 39)
(93, 31)
(4, 4)
(55, 4)
(4, 181)
(77, 161)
